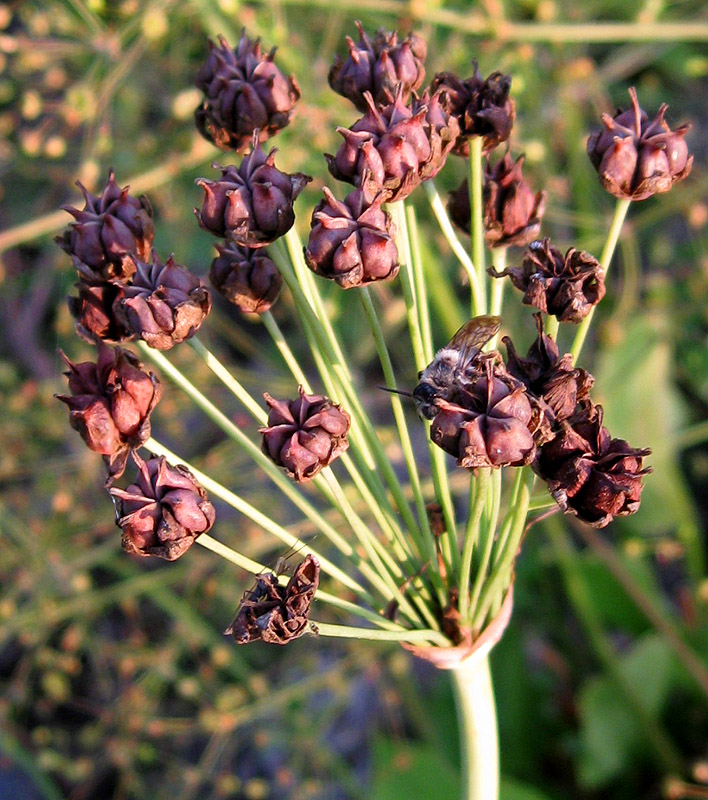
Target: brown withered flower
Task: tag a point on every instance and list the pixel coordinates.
(352, 242)
(488, 422)
(165, 304)
(163, 512)
(395, 147)
(273, 613)
(245, 277)
(251, 204)
(589, 473)
(110, 404)
(94, 312)
(244, 92)
(512, 212)
(379, 67)
(305, 434)
(481, 106)
(567, 286)
(637, 158)
(548, 375)
(107, 230)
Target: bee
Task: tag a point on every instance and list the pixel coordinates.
(452, 365)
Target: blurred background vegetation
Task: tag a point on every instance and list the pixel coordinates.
(116, 681)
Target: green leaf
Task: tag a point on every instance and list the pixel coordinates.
(412, 770)
(611, 736)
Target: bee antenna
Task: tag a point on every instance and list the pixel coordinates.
(395, 391)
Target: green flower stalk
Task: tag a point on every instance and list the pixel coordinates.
(401, 557)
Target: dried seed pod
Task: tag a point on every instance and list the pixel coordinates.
(110, 227)
(379, 67)
(512, 212)
(305, 434)
(636, 158)
(481, 107)
(273, 613)
(165, 304)
(590, 474)
(352, 242)
(567, 286)
(251, 204)
(110, 404)
(489, 422)
(548, 375)
(94, 312)
(163, 512)
(244, 92)
(394, 148)
(245, 277)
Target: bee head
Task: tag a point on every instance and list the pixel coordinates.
(425, 396)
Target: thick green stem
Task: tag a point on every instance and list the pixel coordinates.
(477, 724)
(476, 184)
(608, 250)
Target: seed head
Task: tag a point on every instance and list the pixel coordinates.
(245, 277)
(481, 107)
(94, 312)
(110, 227)
(305, 434)
(636, 158)
(567, 286)
(165, 304)
(379, 67)
(352, 242)
(273, 613)
(163, 512)
(251, 204)
(110, 404)
(244, 92)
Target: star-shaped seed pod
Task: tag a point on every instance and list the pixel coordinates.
(251, 204)
(489, 422)
(273, 613)
(165, 304)
(245, 277)
(379, 67)
(512, 212)
(637, 158)
(244, 92)
(110, 404)
(94, 312)
(548, 375)
(111, 227)
(567, 286)
(304, 435)
(589, 473)
(163, 512)
(481, 106)
(395, 147)
(352, 242)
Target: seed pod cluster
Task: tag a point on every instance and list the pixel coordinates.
(273, 613)
(304, 435)
(163, 512)
(482, 107)
(244, 92)
(567, 286)
(637, 158)
(512, 212)
(379, 67)
(110, 404)
(111, 246)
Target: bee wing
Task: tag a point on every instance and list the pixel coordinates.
(475, 333)
(471, 338)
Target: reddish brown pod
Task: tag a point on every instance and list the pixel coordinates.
(636, 157)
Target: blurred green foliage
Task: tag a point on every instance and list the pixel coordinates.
(116, 681)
